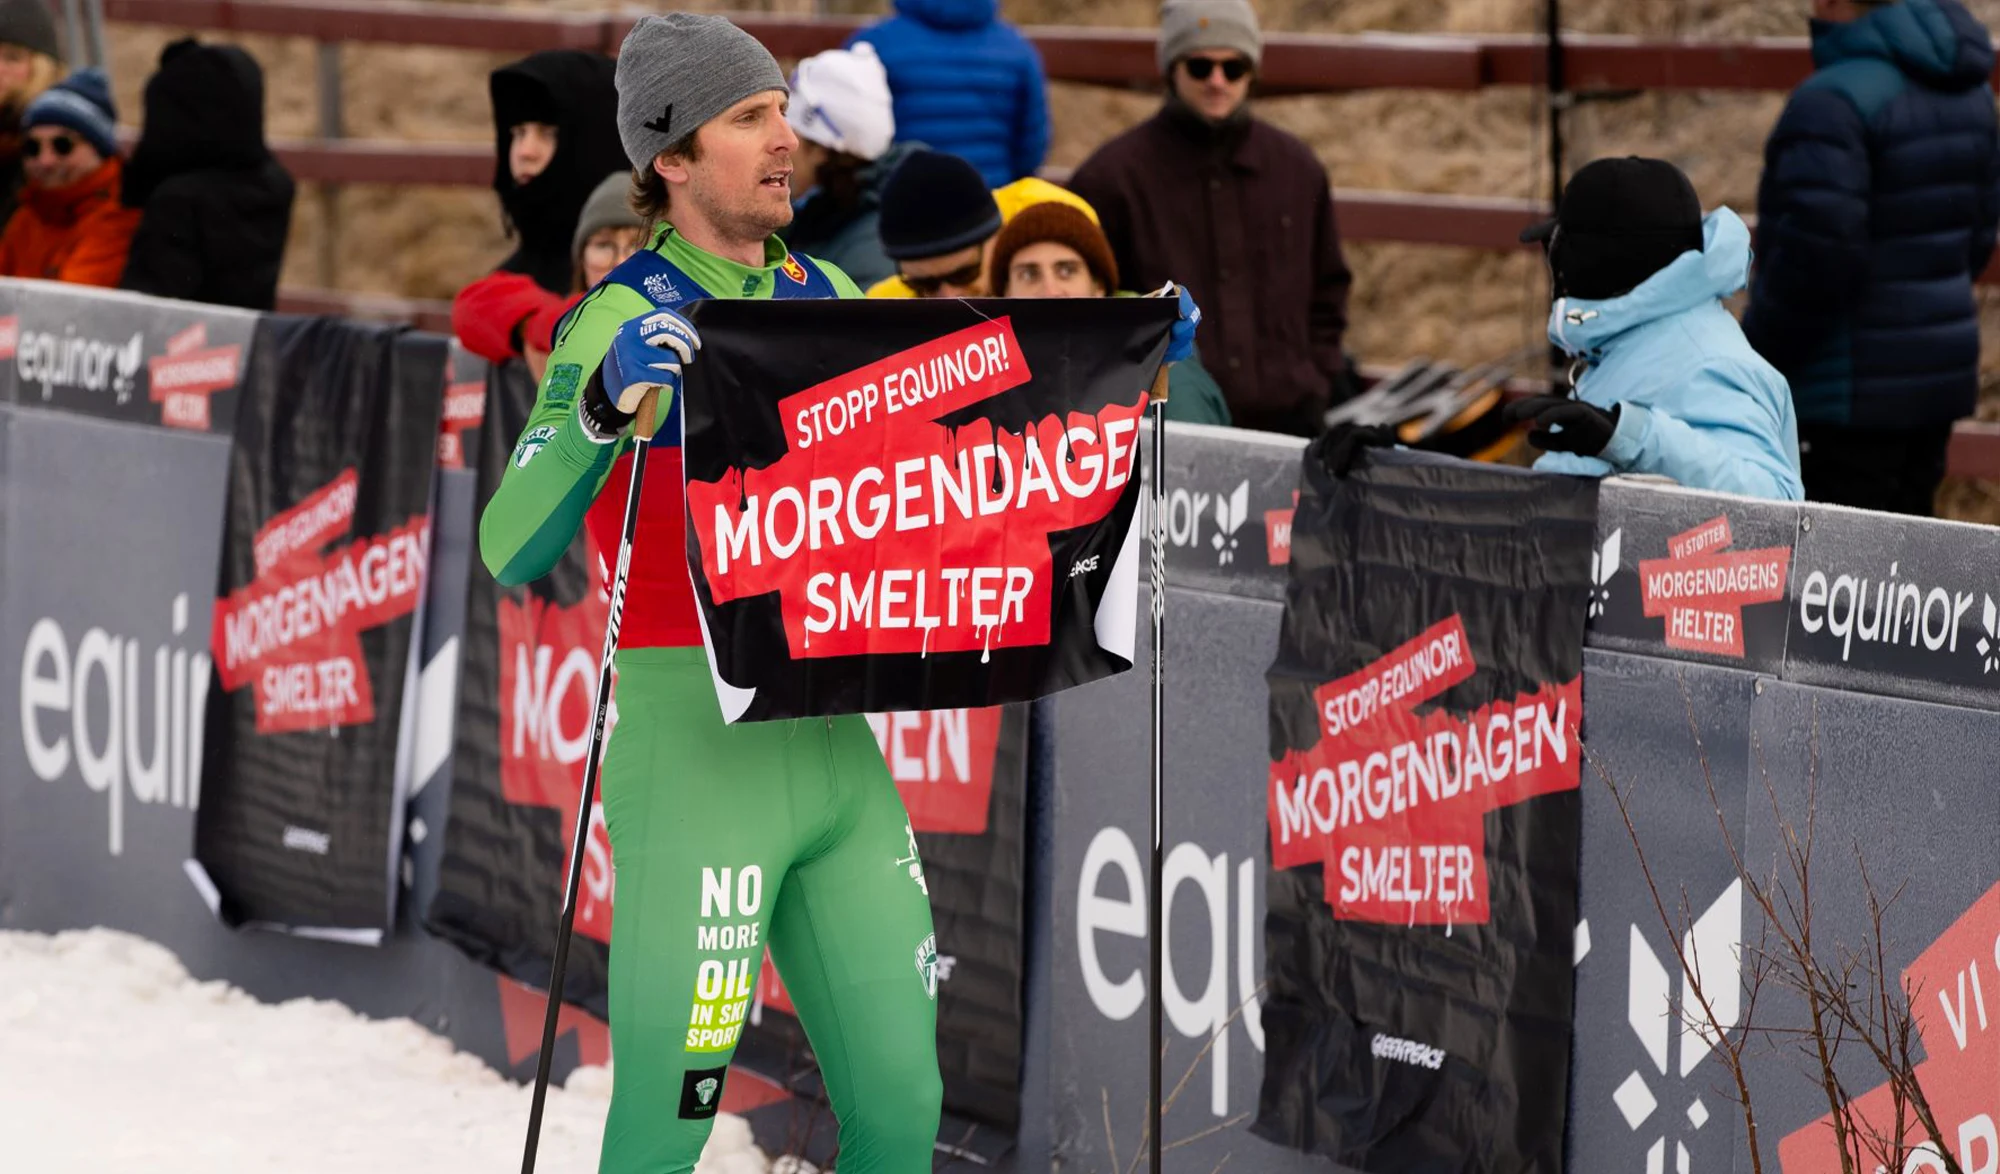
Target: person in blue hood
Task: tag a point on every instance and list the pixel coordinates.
(1877, 211)
(1665, 383)
(966, 83)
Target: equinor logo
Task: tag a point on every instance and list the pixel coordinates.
(72, 360)
(1893, 611)
(1199, 518)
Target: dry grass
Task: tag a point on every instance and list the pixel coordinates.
(1408, 300)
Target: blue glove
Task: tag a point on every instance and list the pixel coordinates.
(1180, 343)
(647, 353)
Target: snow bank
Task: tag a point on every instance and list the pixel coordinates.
(112, 1058)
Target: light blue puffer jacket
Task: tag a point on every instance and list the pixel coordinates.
(1697, 404)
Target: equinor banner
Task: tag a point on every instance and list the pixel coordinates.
(1425, 710)
(915, 505)
(325, 547)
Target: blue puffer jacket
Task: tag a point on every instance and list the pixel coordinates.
(1695, 403)
(1880, 196)
(966, 83)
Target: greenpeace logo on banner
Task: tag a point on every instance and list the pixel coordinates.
(182, 380)
(1406, 1051)
(129, 718)
(942, 761)
(1394, 803)
(548, 683)
(72, 360)
(847, 527)
(1197, 518)
(1713, 949)
(293, 632)
(464, 408)
(1702, 587)
(1957, 986)
(1893, 612)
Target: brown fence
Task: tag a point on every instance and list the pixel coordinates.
(1293, 64)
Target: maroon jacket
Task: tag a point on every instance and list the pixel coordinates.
(1243, 216)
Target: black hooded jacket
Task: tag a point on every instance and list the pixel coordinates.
(217, 205)
(573, 90)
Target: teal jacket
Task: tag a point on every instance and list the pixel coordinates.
(1696, 404)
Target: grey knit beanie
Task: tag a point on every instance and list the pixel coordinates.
(607, 207)
(29, 24)
(1187, 26)
(677, 71)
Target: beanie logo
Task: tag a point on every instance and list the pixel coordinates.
(792, 269)
(663, 122)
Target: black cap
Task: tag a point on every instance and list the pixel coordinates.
(935, 204)
(1622, 221)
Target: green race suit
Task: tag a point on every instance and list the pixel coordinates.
(725, 839)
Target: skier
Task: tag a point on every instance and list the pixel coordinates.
(725, 839)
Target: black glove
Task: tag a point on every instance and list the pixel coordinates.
(1584, 428)
(1338, 448)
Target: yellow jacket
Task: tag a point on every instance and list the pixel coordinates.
(1012, 198)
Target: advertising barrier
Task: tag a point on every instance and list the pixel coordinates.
(1749, 669)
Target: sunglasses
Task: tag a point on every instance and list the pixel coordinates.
(60, 146)
(1198, 68)
(928, 287)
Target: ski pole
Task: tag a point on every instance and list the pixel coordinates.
(1158, 408)
(642, 434)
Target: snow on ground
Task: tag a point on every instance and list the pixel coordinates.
(112, 1058)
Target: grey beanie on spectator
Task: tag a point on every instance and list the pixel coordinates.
(1188, 26)
(29, 24)
(607, 207)
(677, 71)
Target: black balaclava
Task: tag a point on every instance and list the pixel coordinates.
(204, 112)
(574, 91)
(1621, 221)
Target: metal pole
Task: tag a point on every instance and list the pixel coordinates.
(331, 127)
(593, 756)
(76, 41)
(94, 29)
(1156, 906)
(1558, 99)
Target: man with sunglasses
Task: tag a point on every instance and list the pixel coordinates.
(1205, 193)
(71, 225)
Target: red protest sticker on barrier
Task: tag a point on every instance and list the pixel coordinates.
(1702, 587)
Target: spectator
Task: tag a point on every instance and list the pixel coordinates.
(1053, 250)
(30, 62)
(938, 221)
(965, 82)
(70, 225)
(1207, 194)
(1668, 384)
(555, 121)
(841, 111)
(607, 232)
(216, 205)
(1876, 213)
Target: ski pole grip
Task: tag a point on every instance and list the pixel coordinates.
(649, 411)
(1159, 391)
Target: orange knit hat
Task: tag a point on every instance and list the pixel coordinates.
(1052, 221)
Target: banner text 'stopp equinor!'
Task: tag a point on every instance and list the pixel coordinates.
(915, 505)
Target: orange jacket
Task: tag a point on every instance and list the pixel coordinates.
(79, 233)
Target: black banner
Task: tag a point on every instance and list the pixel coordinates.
(915, 505)
(528, 668)
(1424, 816)
(325, 549)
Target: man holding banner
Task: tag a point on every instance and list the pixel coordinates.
(726, 838)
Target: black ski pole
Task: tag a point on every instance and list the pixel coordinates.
(642, 434)
(1156, 906)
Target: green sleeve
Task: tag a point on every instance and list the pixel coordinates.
(557, 469)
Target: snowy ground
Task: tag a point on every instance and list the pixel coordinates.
(112, 1058)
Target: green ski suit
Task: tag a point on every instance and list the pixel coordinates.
(724, 839)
